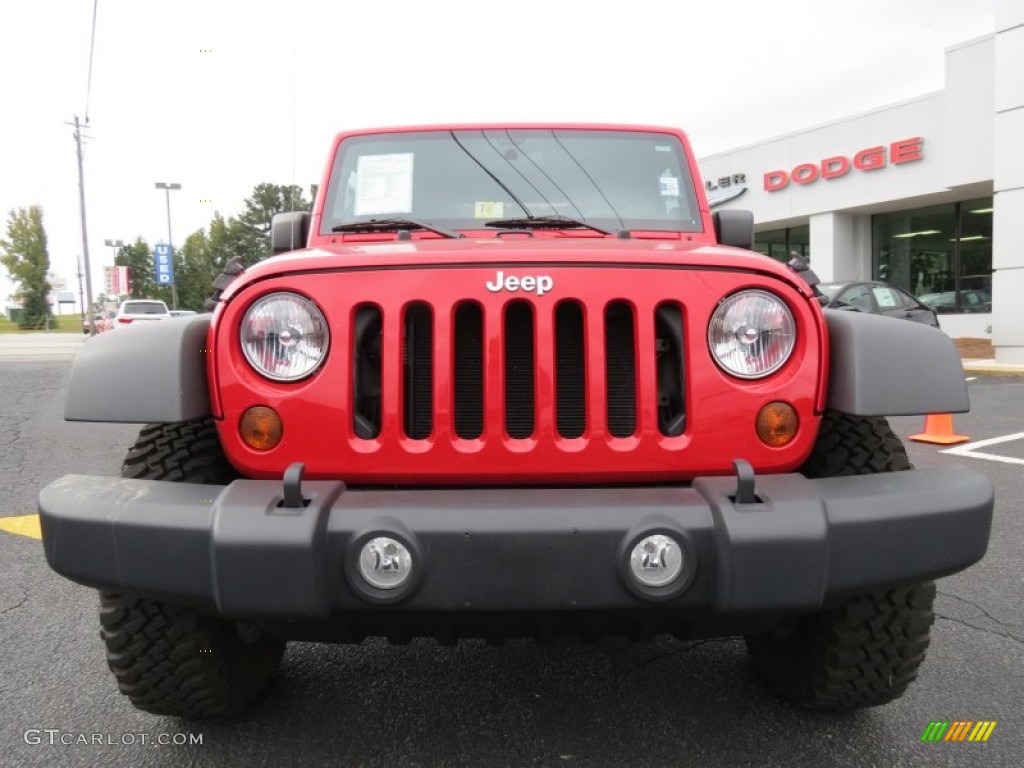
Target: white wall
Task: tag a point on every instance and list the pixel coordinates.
(955, 126)
(1008, 217)
(971, 134)
(967, 326)
(921, 117)
(969, 98)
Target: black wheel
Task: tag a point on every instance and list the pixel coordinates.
(866, 650)
(171, 659)
(182, 452)
(855, 445)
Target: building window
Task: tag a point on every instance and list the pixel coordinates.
(942, 254)
(781, 243)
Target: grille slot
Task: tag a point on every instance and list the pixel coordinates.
(469, 371)
(519, 362)
(418, 373)
(366, 372)
(620, 368)
(668, 332)
(570, 370)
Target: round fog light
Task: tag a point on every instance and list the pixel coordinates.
(656, 561)
(385, 563)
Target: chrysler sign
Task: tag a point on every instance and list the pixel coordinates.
(870, 159)
(725, 188)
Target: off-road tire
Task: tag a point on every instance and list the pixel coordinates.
(181, 452)
(855, 445)
(172, 659)
(866, 650)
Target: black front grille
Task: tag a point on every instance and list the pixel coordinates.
(418, 362)
(579, 353)
(620, 368)
(668, 328)
(366, 373)
(519, 378)
(469, 371)
(570, 370)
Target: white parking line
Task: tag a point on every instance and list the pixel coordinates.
(971, 449)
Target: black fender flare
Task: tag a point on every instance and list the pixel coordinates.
(144, 373)
(883, 366)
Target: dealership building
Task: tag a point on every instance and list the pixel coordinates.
(926, 194)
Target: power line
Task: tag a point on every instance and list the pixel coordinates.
(81, 172)
(92, 49)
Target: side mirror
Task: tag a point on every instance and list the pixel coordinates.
(289, 231)
(734, 227)
(802, 268)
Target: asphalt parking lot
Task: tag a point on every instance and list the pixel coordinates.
(613, 703)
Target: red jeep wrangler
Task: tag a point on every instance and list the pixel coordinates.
(515, 381)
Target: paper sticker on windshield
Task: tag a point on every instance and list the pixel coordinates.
(488, 210)
(384, 184)
(885, 298)
(669, 186)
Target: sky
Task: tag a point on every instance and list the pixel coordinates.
(221, 95)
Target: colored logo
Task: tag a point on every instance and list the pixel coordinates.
(958, 730)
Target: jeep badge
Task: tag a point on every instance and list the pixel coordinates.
(541, 283)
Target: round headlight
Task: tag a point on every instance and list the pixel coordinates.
(752, 334)
(284, 336)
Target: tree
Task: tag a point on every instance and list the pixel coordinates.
(139, 258)
(195, 271)
(204, 253)
(202, 258)
(266, 200)
(25, 256)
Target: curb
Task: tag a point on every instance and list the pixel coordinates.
(995, 370)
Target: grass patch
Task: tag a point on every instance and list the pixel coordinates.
(65, 324)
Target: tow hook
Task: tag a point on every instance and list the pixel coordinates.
(744, 482)
(293, 486)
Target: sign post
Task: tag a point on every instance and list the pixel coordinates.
(163, 263)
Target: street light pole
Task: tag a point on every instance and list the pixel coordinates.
(167, 187)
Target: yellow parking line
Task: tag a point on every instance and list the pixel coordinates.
(23, 525)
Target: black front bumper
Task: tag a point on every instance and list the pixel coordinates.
(234, 550)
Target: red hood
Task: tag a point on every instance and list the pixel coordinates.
(492, 251)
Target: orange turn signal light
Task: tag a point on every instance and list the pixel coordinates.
(261, 428)
(777, 424)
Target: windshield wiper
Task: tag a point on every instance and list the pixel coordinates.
(391, 225)
(545, 222)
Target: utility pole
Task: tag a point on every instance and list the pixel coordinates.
(167, 187)
(85, 233)
(81, 299)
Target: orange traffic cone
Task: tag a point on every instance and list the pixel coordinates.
(938, 428)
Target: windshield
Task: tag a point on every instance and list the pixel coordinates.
(829, 289)
(465, 179)
(145, 308)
